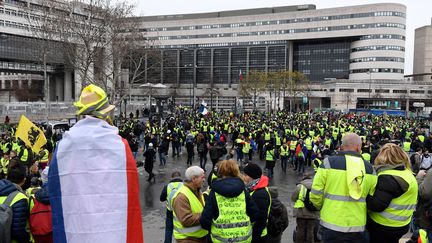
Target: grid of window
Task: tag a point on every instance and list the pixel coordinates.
(29, 49)
(417, 91)
(364, 90)
(322, 59)
(382, 36)
(382, 91)
(203, 75)
(400, 91)
(278, 22)
(377, 70)
(257, 56)
(379, 47)
(378, 59)
(281, 32)
(276, 56)
(346, 90)
(203, 57)
(169, 66)
(238, 57)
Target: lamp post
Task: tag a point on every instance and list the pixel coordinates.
(370, 86)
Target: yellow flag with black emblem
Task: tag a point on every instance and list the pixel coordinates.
(30, 134)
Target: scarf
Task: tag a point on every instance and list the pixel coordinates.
(250, 186)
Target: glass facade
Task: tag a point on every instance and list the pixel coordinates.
(323, 59)
(219, 65)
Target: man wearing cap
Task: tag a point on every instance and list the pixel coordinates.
(93, 179)
(257, 184)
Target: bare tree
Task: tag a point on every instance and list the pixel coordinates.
(253, 85)
(101, 41)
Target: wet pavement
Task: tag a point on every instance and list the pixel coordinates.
(153, 211)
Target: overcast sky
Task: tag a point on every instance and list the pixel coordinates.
(419, 12)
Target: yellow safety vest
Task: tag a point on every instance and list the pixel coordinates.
(423, 236)
(181, 232)
(366, 156)
(172, 188)
(278, 141)
(328, 142)
(45, 157)
(242, 129)
(270, 155)
(4, 165)
(5, 147)
(19, 196)
(301, 197)
(316, 163)
(400, 210)
(284, 151)
(421, 138)
(24, 156)
(308, 143)
(267, 136)
(246, 148)
(407, 146)
(232, 224)
(331, 192)
(293, 145)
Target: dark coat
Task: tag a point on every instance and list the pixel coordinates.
(20, 212)
(262, 199)
(387, 188)
(227, 187)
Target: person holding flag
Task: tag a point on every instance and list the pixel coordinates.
(93, 179)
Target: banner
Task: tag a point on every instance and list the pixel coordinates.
(30, 134)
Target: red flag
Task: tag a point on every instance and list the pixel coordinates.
(240, 75)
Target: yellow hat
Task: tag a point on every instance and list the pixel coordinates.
(93, 101)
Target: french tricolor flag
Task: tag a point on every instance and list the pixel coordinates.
(240, 75)
(93, 186)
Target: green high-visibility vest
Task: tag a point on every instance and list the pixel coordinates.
(270, 155)
(267, 136)
(242, 129)
(308, 143)
(172, 188)
(182, 232)
(301, 197)
(366, 156)
(278, 141)
(338, 193)
(400, 210)
(284, 151)
(327, 142)
(407, 146)
(233, 224)
(24, 156)
(246, 148)
(293, 145)
(4, 165)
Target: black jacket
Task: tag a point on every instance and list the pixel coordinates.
(227, 187)
(387, 188)
(20, 212)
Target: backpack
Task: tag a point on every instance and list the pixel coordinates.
(41, 222)
(6, 216)
(426, 162)
(278, 218)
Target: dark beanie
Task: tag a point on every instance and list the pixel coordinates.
(252, 170)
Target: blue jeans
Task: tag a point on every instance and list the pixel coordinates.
(331, 236)
(239, 154)
(169, 226)
(162, 158)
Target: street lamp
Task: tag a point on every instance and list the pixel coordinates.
(370, 86)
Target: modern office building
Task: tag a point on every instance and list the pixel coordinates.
(365, 42)
(422, 69)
